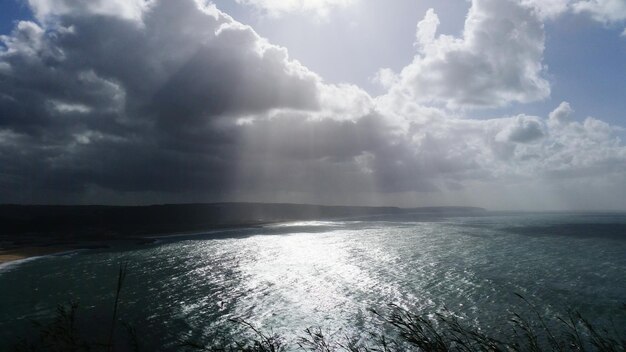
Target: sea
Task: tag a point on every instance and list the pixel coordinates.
(284, 278)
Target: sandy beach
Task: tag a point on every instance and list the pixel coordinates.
(32, 251)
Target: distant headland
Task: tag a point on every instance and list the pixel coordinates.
(27, 230)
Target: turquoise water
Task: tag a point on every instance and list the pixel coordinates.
(291, 276)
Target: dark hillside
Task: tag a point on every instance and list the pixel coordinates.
(23, 223)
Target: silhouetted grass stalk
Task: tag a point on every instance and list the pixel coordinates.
(120, 282)
(441, 332)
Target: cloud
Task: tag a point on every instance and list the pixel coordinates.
(561, 114)
(385, 77)
(548, 9)
(182, 103)
(129, 9)
(606, 11)
(277, 8)
(498, 59)
(427, 29)
(522, 129)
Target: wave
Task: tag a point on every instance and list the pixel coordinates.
(5, 267)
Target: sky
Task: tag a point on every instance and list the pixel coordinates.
(503, 104)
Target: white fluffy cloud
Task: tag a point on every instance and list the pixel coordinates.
(498, 59)
(561, 114)
(281, 7)
(427, 30)
(548, 8)
(606, 11)
(129, 9)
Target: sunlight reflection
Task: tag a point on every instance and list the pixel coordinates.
(305, 223)
(305, 273)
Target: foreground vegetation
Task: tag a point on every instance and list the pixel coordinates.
(397, 329)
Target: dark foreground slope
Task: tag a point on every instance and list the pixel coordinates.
(23, 224)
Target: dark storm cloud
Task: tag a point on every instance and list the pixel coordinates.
(132, 106)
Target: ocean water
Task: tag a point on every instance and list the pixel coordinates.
(287, 277)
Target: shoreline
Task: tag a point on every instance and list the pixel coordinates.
(19, 253)
(15, 256)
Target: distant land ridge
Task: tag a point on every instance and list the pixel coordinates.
(103, 222)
